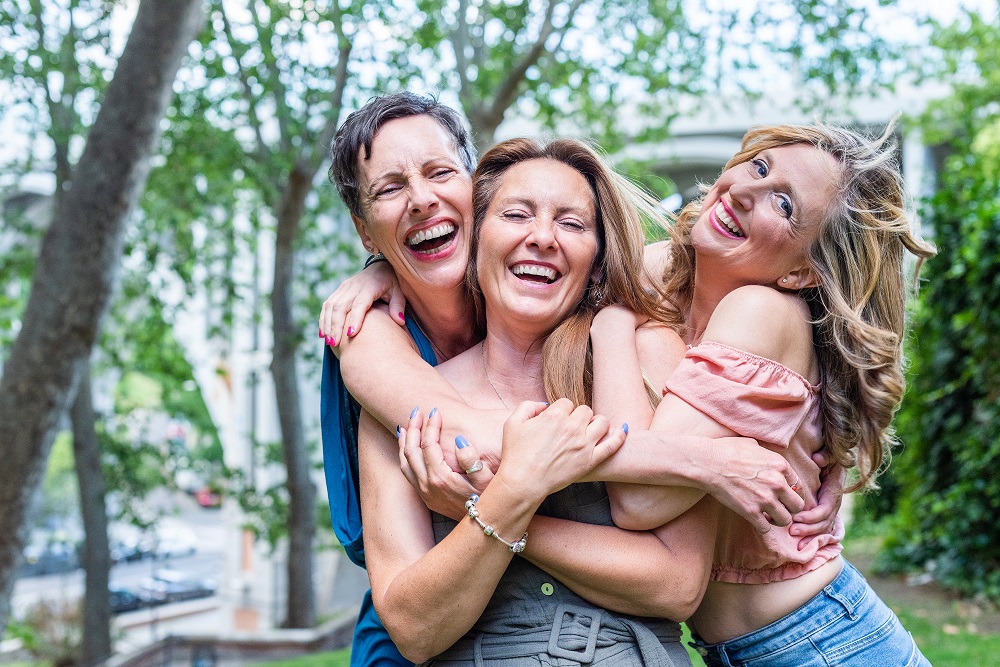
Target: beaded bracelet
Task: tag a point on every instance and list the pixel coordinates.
(377, 257)
(517, 547)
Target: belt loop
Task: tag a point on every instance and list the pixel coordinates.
(849, 605)
(587, 654)
(477, 650)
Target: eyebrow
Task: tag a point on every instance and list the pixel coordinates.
(515, 199)
(423, 165)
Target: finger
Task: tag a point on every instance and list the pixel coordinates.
(598, 428)
(610, 444)
(404, 463)
(778, 515)
(526, 410)
(430, 443)
(356, 317)
(397, 304)
(335, 323)
(760, 522)
(475, 468)
(822, 457)
(411, 446)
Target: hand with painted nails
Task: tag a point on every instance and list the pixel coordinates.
(423, 464)
(344, 311)
(548, 447)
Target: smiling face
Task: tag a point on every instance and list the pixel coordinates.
(416, 198)
(760, 218)
(537, 244)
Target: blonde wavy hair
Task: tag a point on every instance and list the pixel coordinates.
(859, 305)
(566, 354)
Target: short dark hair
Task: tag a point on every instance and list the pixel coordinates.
(360, 128)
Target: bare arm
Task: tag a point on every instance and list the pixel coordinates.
(758, 320)
(606, 565)
(413, 580)
(614, 568)
(383, 356)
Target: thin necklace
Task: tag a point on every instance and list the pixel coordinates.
(489, 379)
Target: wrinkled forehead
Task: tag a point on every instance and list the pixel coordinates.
(402, 143)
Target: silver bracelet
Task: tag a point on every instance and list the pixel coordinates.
(377, 257)
(516, 547)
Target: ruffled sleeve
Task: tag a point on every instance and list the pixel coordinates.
(753, 396)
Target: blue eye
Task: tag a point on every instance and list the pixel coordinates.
(785, 204)
(760, 167)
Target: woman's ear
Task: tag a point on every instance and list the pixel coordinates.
(799, 278)
(366, 240)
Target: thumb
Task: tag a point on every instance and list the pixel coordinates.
(475, 468)
(397, 304)
(526, 410)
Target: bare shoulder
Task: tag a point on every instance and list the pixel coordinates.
(768, 323)
(660, 350)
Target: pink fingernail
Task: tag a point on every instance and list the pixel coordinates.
(333, 341)
(402, 317)
(328, 339)
(350, 331)
(321, 333)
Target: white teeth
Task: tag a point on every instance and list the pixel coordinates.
(434, 232)
(723, 215)
(534, 270)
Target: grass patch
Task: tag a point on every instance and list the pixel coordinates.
(339, 658)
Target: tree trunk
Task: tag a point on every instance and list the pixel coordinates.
(301, 610)
(76, 271)
(96, 644)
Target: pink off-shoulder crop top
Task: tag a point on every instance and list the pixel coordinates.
(762, 399)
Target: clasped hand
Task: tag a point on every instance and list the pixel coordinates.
(545, 448)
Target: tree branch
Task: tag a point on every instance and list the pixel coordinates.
(262, 153)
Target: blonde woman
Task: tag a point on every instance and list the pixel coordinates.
(787, 285)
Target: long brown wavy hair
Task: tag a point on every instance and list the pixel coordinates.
(859, 305)
(567, 358)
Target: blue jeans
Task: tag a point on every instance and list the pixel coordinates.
(845, 624)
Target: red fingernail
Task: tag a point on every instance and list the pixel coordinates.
(350, 331)
(402, 317)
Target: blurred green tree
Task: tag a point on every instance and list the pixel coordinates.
(948, 488)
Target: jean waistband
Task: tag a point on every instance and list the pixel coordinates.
(849, 590)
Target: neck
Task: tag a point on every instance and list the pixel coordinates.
(446, 318)
(513, 365)
(708, 292)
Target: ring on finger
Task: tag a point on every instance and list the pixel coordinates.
(476, 467)
(795, 485)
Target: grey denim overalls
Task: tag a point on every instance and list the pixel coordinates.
(533, 620)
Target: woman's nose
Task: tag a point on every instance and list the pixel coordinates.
(742, 194)
(542, 233)
(422, 196)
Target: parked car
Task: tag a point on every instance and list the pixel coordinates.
(124, 599)
(47, 553)
(174, 540)
(173, 586)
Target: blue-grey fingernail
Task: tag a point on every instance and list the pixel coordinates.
(433, 412)
(398, 430)
(413, 413)
(461, 442)
(625, 428)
